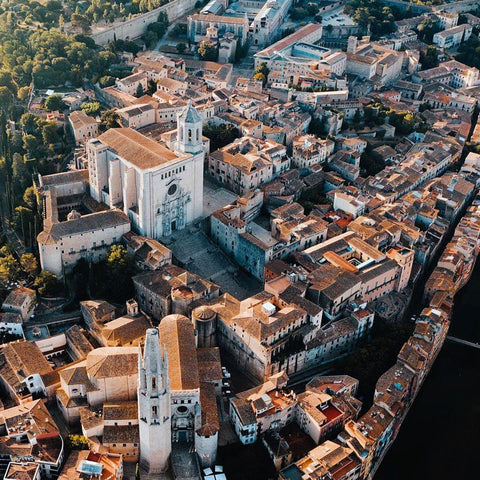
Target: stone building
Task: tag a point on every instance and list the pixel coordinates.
(171, 289)
(160, 189)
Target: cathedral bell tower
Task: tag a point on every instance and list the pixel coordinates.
(189, 130)
(154, 405)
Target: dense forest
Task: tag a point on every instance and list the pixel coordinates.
(82, 14)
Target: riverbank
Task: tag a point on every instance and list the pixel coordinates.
(446, 411)
(444, 285)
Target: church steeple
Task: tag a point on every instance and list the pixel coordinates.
(154, 405)
(189, 130)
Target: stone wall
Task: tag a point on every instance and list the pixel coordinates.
(137, 26)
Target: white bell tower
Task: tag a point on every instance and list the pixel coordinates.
(154, 405)
(189, 130)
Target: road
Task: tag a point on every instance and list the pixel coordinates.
(54, 319)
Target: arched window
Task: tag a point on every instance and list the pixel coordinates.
(181, 134)
(198, 134)
(154, 382)
(189, 134)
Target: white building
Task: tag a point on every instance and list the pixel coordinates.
(309, 150)
(133, 83)
(154, 416)
(265, 26)
(453, 36)
(11, 323)
(62, 245)
(22, 301)
(348, 204)
(137, 116)
(161, 190)
(83, 126)
(175, 401)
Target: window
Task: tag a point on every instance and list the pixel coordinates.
(154, 410)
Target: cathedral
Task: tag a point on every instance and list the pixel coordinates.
(176, 395)
(145, 402)
(159, 187)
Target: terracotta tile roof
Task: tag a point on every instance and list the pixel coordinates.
(139, 150)
(107, 362)
(21, 359)
(79, 118)
(210, 422)
(121, 434)
(176, 333)
(21, 471)
(209, 364)
(125, 330)
(120, 411)
(17, 297)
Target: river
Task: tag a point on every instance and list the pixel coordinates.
(439, 437)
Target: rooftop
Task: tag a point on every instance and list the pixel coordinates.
(137, 149)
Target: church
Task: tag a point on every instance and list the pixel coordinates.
(148, 401)
(159, 187)
(176, 403)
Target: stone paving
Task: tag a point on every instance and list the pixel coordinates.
(195, 252)
(184, 462)
(215, 197)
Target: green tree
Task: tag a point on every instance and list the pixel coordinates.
(139, 91)
(29, 264)
(23, 93)
(316, 127)
(117, 259)
(298, 13)
(77, 442)
(47, 283)
(207, 51)
(55, 102)
(220, 135)
(106, 81)
(109, 118)
(30, 198)
(91, 108)
(23, 220)
(262, 68)
(371, 162)
(429, 59)
(49, 133)
(312, 9)
(260, 77)
(181, 47)
(117, 274)
(8, 268)
(31, 144)
(81, 21)
(28, 122)
(6, 99)
(19, 168)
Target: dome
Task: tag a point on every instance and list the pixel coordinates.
(174, 317)
(73, 215)
(203, 313)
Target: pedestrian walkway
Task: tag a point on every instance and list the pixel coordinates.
(184, 462)
(196, 253)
